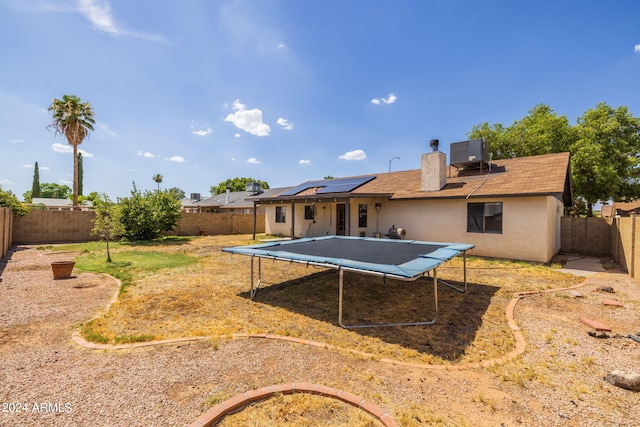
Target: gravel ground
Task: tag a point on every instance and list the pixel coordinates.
(46, 379)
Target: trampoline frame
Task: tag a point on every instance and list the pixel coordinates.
(341, 269)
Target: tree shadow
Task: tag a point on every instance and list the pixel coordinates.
(374, 300)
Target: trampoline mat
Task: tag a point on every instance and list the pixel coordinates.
(389, 252)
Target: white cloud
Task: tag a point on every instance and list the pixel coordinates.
(636, 49)
(146, 154)
(253, 160)
(354, 155)
(16, 141)
(237, 135)
(388, 100)
(98, 12)
(106, 129)
(304, 162)
(66, 148)
(281, 45)
(42, 168)
(248, 120)
(177, 159)
(5, 182)
(286, 124)
(202, 132)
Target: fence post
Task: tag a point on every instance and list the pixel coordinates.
(632, 266)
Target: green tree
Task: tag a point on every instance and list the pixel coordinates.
(235, 184)
(604, 147)
(74, 119)
(180, 194)
(158, 179)
(146, 216)
(106, 224)
(35, 185)
(52, 190)
(605, 162)
(9, 200)
(542, 131)
(80, 174)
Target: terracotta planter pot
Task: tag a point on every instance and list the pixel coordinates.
(62, 269)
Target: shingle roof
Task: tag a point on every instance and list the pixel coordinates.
(547, 174)
(622, 208)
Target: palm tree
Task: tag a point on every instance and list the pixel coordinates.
(74, 119)
(158, 179)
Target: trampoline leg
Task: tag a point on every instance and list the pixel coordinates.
(461, 290)
(341, 288)
(252, 292)
(431, 322)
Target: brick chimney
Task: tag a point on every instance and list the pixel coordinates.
(434, 176)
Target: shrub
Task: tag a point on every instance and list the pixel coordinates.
(146, 216)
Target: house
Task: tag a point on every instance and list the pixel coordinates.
(50, 204)
(229, 202)
(507, 208)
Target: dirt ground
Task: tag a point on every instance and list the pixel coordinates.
(557, 381)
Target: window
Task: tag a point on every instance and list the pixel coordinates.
(484, 217)
(309, 212)
(362, 215)
(281, 214)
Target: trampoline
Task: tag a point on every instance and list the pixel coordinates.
(406, 260)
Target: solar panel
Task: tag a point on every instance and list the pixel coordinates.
(338, 185)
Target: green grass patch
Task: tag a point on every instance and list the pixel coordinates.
(88, 333)
(126, 265)
(127, 339)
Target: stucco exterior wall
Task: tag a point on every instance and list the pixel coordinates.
(530, 226)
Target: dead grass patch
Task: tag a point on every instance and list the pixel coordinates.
(211, 298)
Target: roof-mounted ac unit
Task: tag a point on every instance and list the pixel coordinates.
(253, 187)
(471, 154)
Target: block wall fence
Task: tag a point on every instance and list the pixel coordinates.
(75, 226)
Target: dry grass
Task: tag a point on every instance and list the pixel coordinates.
(300, 410)
(211, 298)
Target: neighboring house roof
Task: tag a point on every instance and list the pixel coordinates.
(235, 199)
(547, 174)
(626, 208)
(56, 203)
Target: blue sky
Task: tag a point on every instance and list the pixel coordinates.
(287, 91)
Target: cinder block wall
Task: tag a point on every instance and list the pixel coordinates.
(75, 226)
(6, 225)
(585, 236)
(193, 224)
(53, 227)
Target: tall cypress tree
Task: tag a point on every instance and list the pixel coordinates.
(35, 186)
(80, 174)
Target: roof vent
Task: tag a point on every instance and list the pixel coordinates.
(434, 144)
